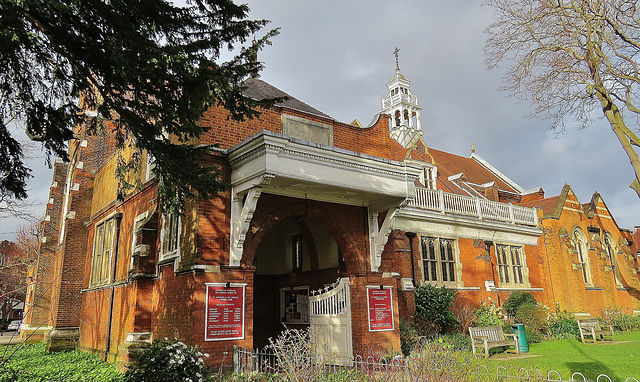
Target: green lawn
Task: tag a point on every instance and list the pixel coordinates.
(618, 360)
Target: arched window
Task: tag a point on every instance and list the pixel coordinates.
(397, 115)
(611, 251)
(582, 251)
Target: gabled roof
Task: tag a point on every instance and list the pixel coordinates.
(547, 205)
(257, 89)
(474, 172)
(552, 207)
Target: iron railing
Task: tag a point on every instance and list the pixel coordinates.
(247, 361)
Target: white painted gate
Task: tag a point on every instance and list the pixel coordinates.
(330, 320)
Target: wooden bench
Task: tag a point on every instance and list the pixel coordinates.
(491, 337)
(590, 327)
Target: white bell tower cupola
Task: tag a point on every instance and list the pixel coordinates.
(402, 107)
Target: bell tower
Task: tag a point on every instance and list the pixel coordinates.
(402, 107)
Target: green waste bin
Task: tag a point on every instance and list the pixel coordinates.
(518, 329)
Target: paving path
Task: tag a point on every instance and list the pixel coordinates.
(8, 338)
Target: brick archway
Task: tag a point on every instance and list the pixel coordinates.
(345, 224)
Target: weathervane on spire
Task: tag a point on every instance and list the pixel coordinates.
(395, 52)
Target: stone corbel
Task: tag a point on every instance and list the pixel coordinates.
(380, 236)
(242, 210)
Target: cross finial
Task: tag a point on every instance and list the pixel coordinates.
(395, 52)
(473, 147)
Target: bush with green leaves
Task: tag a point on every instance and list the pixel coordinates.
(489, 314)
(433, 307)
(456, 340)
(533, 316)
(408, 336)
(562, 324)
(516, 299)
(167, 360)
(621, 320)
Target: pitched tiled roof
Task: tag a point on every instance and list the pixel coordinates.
(547, 205)
(258, 89)
(451, 164)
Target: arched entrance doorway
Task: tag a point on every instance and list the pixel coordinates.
(294, 257)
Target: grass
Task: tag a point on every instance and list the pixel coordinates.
(33, 364)
(618, 360)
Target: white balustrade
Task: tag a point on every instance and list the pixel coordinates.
(444, 202)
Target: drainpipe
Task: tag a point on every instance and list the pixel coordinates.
(118, 218)
(546, 251)
(489, 244)
(411, 235)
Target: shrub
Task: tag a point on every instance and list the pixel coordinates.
(562, 324)
(167, 360)
(250, 377)
(620, 320)
(457, 341)
(433, 307)
(516, 299)
(533, 317)
(408, 336)
(437, 361)
(488, 314)
(465, 315)
(299, 359)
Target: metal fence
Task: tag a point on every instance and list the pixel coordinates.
(248, 361)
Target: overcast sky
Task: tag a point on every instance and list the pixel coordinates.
(337, 56)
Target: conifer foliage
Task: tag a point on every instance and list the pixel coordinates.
(150, 66)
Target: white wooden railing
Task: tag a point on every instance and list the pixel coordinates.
(447, 203)
(333, 300)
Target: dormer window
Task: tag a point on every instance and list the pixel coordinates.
(428, 177)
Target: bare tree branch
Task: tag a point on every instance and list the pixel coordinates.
(570, 58)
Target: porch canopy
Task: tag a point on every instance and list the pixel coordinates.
(279, 164)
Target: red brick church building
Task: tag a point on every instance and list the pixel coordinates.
(325, 224)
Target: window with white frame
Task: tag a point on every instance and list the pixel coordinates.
(582, 252)
(103, 239)
(512, 267)
(611, 252)
(439, 261)
(150, 165)
(170, 236)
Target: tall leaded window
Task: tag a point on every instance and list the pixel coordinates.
(511, 265)
(611, 252)
(170, 235)
(582, 252)
(103, 239)
(439, 261)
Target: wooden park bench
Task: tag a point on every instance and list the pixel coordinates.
(590, 327)
(491, 337)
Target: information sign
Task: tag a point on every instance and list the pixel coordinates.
(380, 306)
(224, 312)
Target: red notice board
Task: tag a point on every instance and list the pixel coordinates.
(380, 307)
(224, 318)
